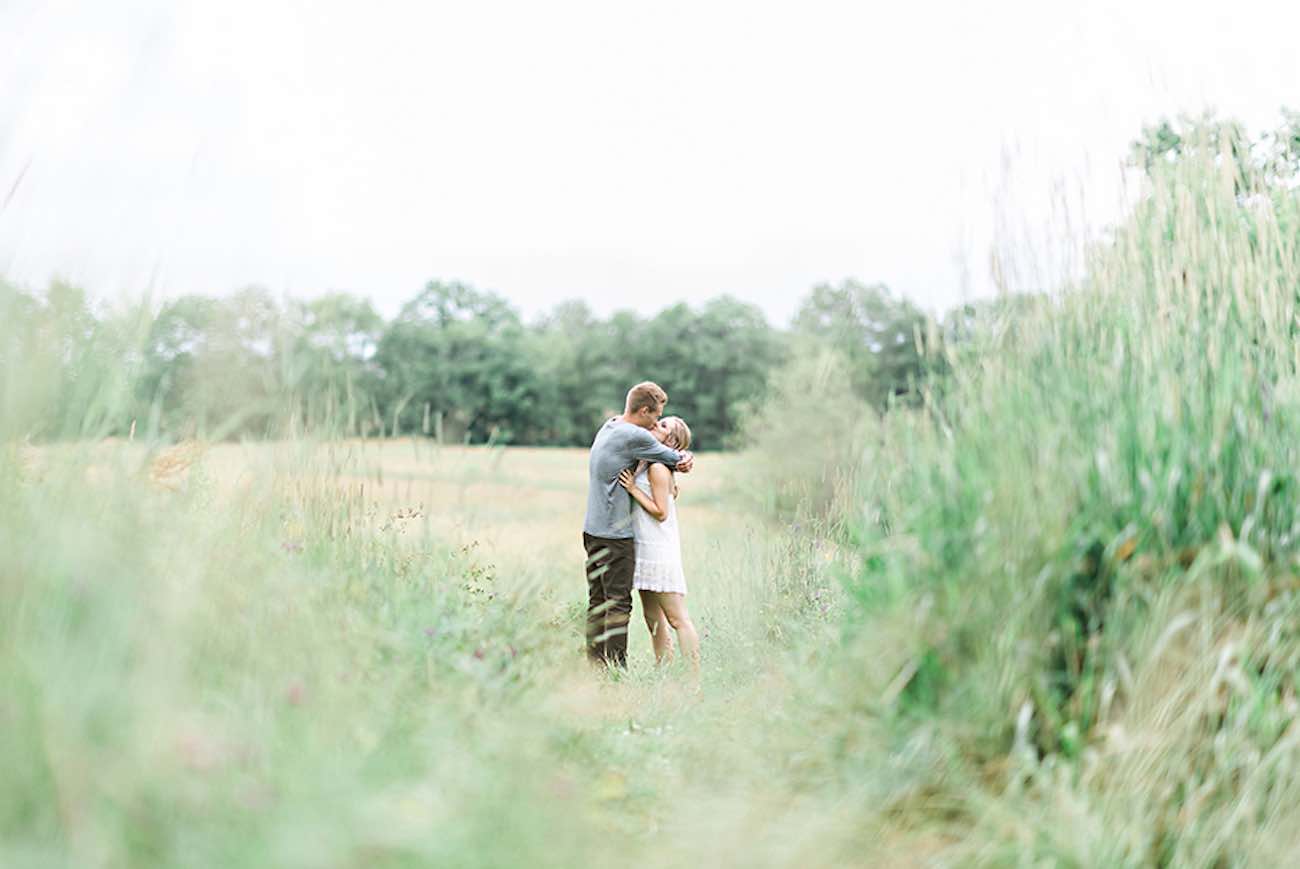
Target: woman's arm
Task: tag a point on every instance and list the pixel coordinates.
(656, 503)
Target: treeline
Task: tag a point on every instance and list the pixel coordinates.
(456, 363)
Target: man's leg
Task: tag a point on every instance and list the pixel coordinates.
(598, 553)
(618, 597)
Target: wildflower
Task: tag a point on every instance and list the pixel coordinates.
(296, 694)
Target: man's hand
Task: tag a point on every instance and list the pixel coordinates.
(688, 459)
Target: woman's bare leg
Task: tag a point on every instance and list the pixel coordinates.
(657, 622)
(674, 609)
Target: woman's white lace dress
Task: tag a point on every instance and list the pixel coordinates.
(658, 546)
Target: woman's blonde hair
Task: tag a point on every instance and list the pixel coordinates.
(679, 430)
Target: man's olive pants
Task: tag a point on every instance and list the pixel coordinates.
(610, 565)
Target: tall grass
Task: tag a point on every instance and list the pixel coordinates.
(807, 438)
(251, 678)
(1091, 534)
(329, 654)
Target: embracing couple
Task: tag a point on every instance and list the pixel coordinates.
(630, 533)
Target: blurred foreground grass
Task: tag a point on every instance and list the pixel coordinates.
(369, 652)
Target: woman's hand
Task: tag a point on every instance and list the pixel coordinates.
(626, 480)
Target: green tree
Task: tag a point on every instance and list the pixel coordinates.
(458, 357)
(213, 367)
(329, 361)
(583, 371)
(714, 363)
(68, 369)
(1269, 161)
(880, 336)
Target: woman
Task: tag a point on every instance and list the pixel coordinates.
(659, 578)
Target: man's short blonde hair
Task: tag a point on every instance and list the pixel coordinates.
(645, 394)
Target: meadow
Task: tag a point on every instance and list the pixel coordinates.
(1039, 610)
(346, 653)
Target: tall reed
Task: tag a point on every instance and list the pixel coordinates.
(1092, 529)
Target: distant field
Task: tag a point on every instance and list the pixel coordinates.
(520, 508)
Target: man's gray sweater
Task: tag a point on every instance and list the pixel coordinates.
(618, 445)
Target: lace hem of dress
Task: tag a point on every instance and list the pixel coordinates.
(662, 589)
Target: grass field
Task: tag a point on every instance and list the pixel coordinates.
(1046, 615)
(354, 653)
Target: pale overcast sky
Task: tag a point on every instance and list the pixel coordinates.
(629, 154)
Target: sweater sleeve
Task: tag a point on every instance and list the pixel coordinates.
(646, 447)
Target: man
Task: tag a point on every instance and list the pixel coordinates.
(607, 532)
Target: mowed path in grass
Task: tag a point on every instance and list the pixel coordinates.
(521, 505)
(520, 511)
(657, 757)
(692, 776)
